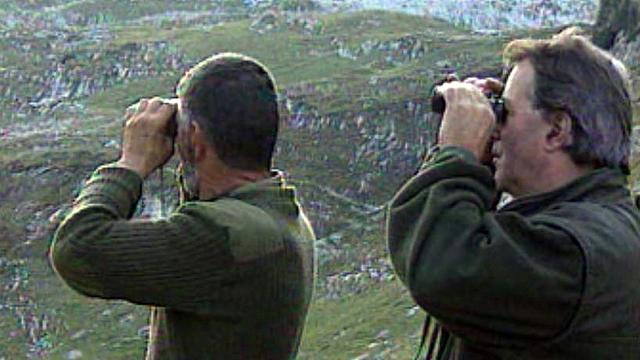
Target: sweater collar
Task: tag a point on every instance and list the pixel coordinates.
(603, 185)
(275, 184)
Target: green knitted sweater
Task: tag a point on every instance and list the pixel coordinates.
(228, 278)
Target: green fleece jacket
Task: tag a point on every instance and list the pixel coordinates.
(229, 278)
(549, 276)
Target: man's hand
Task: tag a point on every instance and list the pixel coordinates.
(146, 144)
(486, 85)
(468, 120)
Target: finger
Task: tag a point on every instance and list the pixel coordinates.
(482, 85)
(132, 109)
(142, 105)
(471, 80)
(451, 90)
(166, 114)
(130, 112)
(452, 77)
(172, 101)
(454, 92)
(166, 110)
(494, 85)
(154, 104)
(171, 104)
(446, 90)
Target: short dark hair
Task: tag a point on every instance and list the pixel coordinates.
(234, 98)
(587, 83)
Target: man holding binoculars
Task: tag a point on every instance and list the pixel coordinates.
(229, 274)
(553, 274)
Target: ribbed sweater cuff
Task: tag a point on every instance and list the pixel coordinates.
(114, 186)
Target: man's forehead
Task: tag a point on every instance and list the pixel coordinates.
(181, 113)
(520, 80)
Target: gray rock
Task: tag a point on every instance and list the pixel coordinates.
(413, 311)
(77, 335)
(74, 354)
(144, 331)
(383, 334)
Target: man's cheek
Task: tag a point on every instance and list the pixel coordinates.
(184, 149)
(187, 182)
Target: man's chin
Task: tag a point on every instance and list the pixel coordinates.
(501, 185)
(497, 178)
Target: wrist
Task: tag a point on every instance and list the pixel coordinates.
(470, 149)
(134, 166)
(457, 151)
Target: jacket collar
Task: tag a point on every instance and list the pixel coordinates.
(603, 185)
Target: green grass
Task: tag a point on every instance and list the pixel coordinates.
(343, 329)
(284, 53)
(335, 329)
(116, 11)
(113, 101)
(110, 328)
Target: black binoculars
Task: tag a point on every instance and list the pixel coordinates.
(438, 104)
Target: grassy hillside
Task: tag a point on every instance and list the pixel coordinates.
(353, 92)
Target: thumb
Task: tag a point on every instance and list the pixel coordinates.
(496, 86)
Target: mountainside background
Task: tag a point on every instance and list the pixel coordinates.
(353, 79)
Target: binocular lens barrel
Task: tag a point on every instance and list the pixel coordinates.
(439, 105)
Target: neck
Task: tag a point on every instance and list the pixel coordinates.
(553, 176)
(214, 182)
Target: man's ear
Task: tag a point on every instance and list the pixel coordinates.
(198, 141)
(184, 142)
(560, 133)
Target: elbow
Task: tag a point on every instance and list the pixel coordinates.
(58, 256)
(70, 254)
(425, 293)
(64, 269)
(79, 280)
(434, 291)
(75, 270)
(61, 255)
(64, 265)
(75, 259)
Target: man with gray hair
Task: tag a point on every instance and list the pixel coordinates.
(554, 273)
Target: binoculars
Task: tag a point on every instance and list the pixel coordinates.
(172, 128)
(438, 104)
